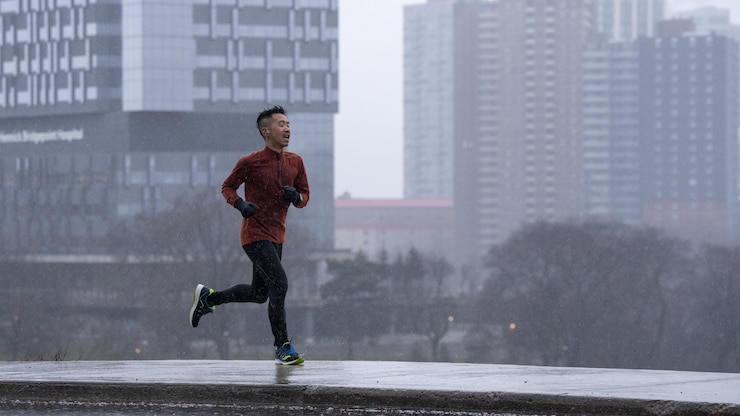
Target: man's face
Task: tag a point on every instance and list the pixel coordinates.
(278, 132)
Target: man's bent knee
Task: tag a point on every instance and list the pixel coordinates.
(278, 293)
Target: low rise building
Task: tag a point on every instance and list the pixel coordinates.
(394, 226)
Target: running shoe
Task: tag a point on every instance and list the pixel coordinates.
(200, 304)
(286, 355)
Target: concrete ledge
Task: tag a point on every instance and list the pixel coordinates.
(363, 388)
(53, 395)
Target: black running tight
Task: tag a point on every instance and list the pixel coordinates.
(269, 282)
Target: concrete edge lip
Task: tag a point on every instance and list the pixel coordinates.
(53, 394)
(421, 387)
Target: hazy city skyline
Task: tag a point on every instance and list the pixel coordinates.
(369, 125)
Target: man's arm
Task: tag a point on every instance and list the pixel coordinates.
(301, 185)
(233, 182)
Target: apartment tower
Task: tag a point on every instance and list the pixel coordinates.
(518, 72)
(688, 123)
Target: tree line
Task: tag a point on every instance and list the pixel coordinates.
(609, 295)
(590, 294)
(560, 294)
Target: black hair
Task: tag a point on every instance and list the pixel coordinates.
(267, 114)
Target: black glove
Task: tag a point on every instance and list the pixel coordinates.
(246, 208)
(291, 195)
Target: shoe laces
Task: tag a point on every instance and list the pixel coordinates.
(287, 348)
(204, 300)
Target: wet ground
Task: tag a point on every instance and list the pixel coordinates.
(202, 387)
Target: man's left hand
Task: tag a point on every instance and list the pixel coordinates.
(291, 195)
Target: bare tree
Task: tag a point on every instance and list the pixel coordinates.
(355, 304)
(201, 233)
(419, 296)
(715, 323)
(590, 294)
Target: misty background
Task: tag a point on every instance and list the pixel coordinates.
(547, 183)
(372, 92)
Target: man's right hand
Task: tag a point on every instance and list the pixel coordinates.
(246, 208)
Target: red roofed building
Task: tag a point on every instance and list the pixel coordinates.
(394, 225)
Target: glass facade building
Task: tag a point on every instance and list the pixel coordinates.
(428, 87)
(113, 108)
(610, 129)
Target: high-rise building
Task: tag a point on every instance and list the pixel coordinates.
(610, 101)
(518, 66)
(428, 100)
(626, 20)
(112, 108)
(660, 132)
(611, 140)
(708, 20)
(688, 123)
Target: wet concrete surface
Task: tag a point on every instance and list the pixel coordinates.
(200, 387)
